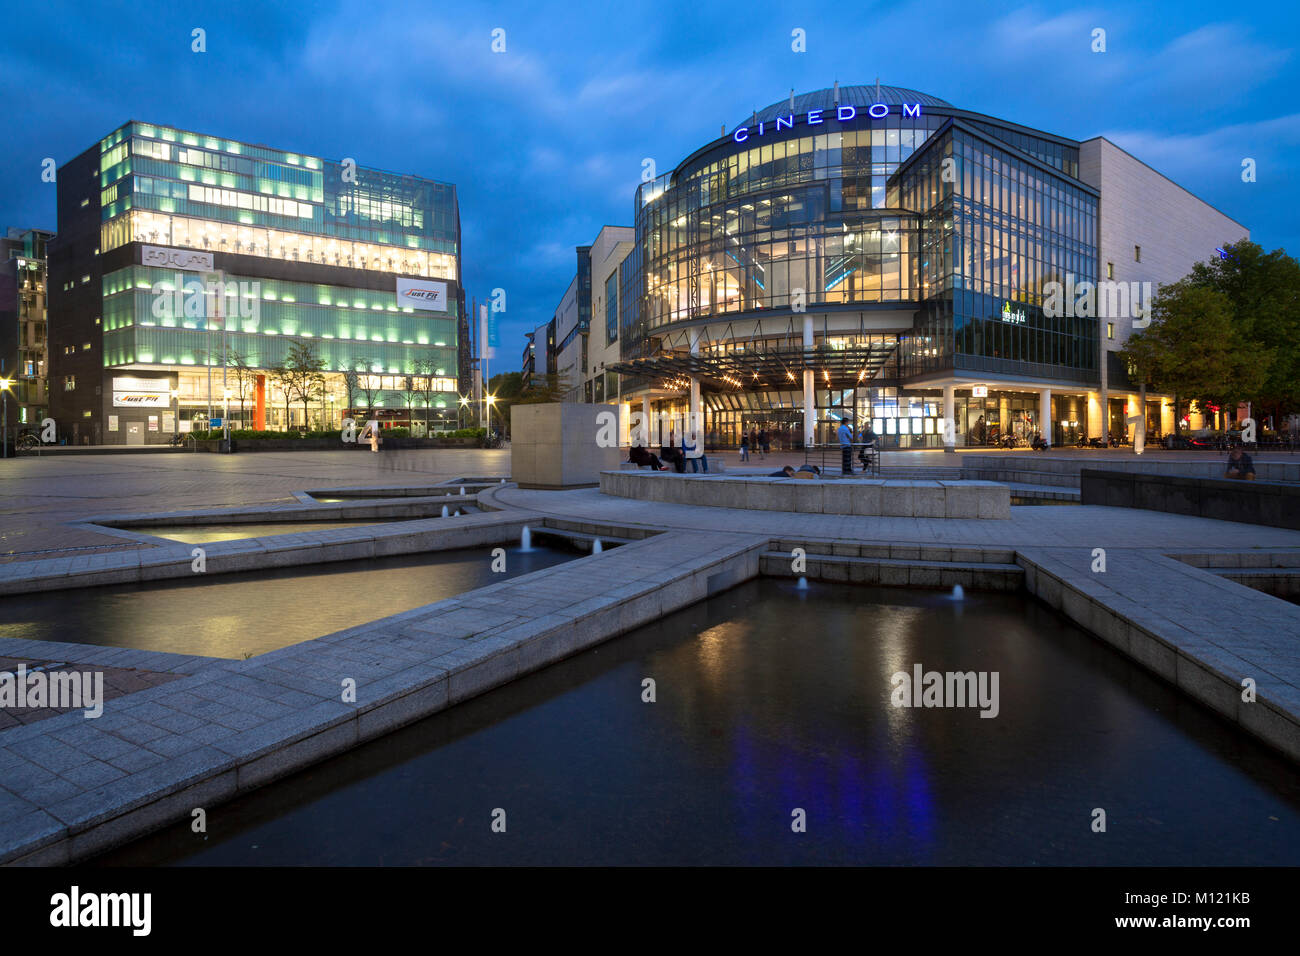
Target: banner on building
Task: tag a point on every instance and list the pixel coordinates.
(422, 294)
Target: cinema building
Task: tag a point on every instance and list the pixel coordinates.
(183, 259)
(877, 254)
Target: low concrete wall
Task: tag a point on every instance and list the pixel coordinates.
(880, 497)
(1248, 502)
(1045, 469)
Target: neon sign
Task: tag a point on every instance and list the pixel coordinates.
(1014, 316)
(844, 114)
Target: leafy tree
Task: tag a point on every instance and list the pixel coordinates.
(1263, 294)
(551, 387)
(1194, 350)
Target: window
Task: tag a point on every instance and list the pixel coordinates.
(85, 347)
(85, 202)
(611, 308)
(1110, 270)
(69, 383)
(1137, 253)
(1110, 330)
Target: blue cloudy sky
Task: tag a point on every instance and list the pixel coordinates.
(546, 141)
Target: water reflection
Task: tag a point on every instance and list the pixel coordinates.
(767, 703)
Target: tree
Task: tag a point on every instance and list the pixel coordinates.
(303, 369)
(368, 388)
(245, 380)
(551, 387)
(350, 387)
(282, 378)
(1194, 350)
(1263, 295)
(423, 384)
(506, 389)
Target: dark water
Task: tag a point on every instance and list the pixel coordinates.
(231, 615)
(770, 700)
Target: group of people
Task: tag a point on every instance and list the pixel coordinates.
(867, 437)
(674, 453)
(759, 441)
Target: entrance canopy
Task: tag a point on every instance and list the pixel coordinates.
(780, 368)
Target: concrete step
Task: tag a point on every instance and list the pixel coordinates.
(888, 572)
(921, 473)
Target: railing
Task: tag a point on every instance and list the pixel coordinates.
(867, 454)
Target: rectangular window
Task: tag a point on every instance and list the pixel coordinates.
(611, 308)
(1137, 253)
(85, 347)
(1110, 270)
(69, 383)
(1110, 330)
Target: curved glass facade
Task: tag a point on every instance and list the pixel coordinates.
(907, 205)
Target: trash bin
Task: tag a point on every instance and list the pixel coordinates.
(227, 446)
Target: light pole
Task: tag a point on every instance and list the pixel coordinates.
(5, 385)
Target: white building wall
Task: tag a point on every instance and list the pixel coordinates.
(611, 247)
(1141, 207)
(569, 360)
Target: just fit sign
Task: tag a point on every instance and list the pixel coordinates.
(845, 114)
(420, 294)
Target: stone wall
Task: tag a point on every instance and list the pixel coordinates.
(880, 497)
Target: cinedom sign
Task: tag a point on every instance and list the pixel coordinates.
(845, 114)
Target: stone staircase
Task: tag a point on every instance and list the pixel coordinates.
(892, 565)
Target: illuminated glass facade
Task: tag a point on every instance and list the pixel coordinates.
(309, 251)
(901, 225)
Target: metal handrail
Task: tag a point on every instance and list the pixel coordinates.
(871, 466)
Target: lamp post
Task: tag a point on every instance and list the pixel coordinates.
(5, 385)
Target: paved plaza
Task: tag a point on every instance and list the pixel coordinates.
(187, 731)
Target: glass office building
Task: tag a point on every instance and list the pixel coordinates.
(877, 254)
(180, 253)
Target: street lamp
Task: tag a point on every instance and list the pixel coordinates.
(6, 385)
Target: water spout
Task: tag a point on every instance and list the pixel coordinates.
(445, 512)
(526, 540)
(595, 547)
(462, 489)
(802, 584)
(957, 593)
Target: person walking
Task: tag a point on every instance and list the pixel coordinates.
(694, 449)
(845, 434)
(764, 443)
